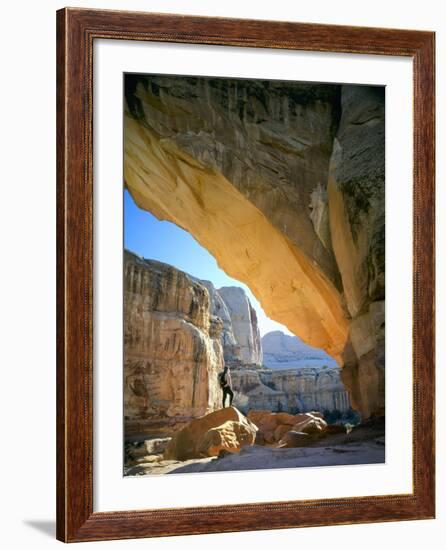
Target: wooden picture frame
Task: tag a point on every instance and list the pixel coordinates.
(76, 31)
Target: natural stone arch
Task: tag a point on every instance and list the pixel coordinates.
(292, 290)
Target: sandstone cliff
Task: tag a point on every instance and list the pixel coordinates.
(179, 332)
(302, 389)
(283, 183)
(244, 326)
(240, 336)
(172, 347)
(357, 222)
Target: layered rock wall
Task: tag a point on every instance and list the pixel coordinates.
(172, 347)
(293, 390)
(244, 325)
(357, 223)
(231, 348)
(240, 336)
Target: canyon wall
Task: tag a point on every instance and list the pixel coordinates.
(240, 337)
(283, 183)
(172, 347)
(357, 223)
(244, 325)
(293, 390)
(295, 378)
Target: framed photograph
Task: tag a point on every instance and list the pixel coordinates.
(245, 275)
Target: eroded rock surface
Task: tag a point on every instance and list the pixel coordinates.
(225, 429)
(357, 222)
(240, 336)
(172, 347)
(273, 427)
(179, 331)
(244, 326)
(301, 389)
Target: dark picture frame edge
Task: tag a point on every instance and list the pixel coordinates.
(76, 31)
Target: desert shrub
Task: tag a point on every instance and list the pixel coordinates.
(332, 417)
(351, 417)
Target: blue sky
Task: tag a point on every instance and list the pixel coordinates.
(166, 242)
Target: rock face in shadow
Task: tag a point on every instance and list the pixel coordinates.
(357, 222)
(172, 347)
(283, 182)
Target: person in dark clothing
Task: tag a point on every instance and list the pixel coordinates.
(226, 385)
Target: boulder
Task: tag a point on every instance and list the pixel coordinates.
(225, 428)
(280, 431)
(269, 436)
(257, 416)
(295, 439)
(336, 429)
(229, 437)
(310, 424)
(273, 426)
(156, 446)
(315, 413)
(285, 418)
(268, 421)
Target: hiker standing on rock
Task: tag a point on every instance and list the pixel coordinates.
(224, 378)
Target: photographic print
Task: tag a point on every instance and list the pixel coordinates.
(254, 274)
